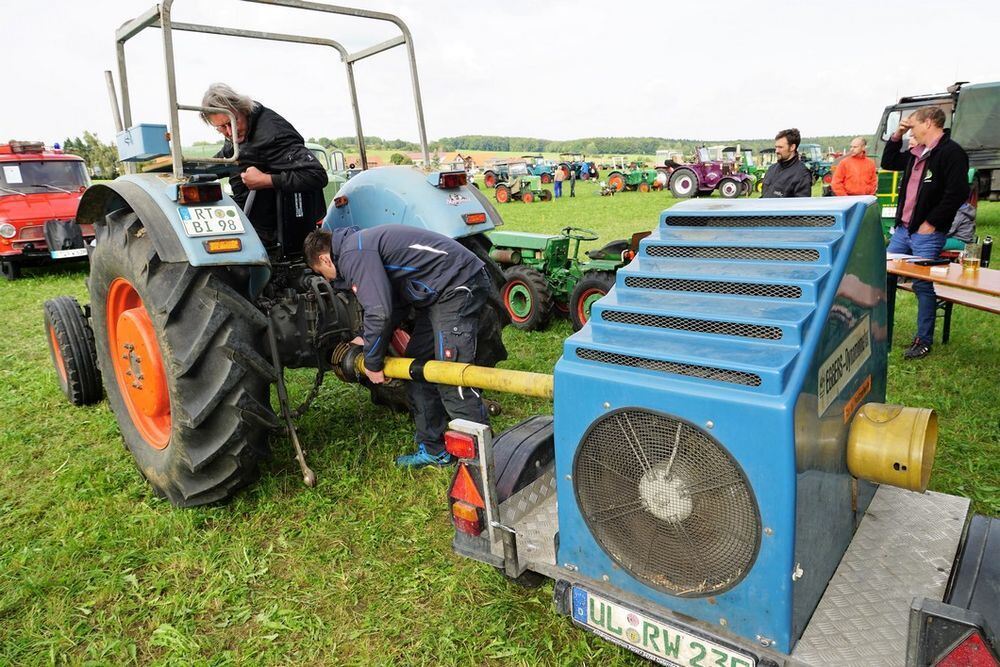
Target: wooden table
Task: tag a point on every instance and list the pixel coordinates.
(983, 281)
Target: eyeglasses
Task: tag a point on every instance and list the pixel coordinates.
(222, 127)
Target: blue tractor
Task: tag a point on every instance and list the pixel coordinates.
(192, 318)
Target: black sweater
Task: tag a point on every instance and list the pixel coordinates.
(943, 188)
(790, 178)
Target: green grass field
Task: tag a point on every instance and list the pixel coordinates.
(96, 571)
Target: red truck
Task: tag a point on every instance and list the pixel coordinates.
(40, 190)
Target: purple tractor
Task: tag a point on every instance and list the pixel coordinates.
(705, 176)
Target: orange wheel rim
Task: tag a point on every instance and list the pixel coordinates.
(135, 354)
(502, 196)
(57, 355)
(616, 182)
(528, 198)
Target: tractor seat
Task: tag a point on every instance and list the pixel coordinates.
(612, 250)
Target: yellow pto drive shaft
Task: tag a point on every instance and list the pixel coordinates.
(348, 363)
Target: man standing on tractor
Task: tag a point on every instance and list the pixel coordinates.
(855, 174)
(392, 268)
(934, 185)
(787, 177)
(274, 163)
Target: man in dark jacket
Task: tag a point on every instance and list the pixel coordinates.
(933, 187)
(787, 177)
(392, 268)
(273, 162)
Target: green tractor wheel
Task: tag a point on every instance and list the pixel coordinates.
(643, 186)
(182, 355)
(546, 195)
(591, 287)
(616, 180)
(527, 298)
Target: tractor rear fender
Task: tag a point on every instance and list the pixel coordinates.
(153, 198)
(406, 196)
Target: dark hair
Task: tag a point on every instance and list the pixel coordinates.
(791, 135)
(316, 245)
(932, 113)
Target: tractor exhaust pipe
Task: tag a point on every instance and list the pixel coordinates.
(348, 364)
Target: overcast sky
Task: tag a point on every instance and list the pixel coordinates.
(553, 69)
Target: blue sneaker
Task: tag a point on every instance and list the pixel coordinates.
(422, 458)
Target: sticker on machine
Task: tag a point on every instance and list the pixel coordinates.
(843, 364)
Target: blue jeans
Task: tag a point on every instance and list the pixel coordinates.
(557, 186)
(928, 246)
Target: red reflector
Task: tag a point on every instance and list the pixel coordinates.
(466, 518)
(452, 179)
(459, 444)
(199, 193)
(474, 218)
(463, 488)
(340, 201)
(971, 652)
(828, 178)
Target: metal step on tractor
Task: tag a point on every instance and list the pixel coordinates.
(545, 275)
(192, 319)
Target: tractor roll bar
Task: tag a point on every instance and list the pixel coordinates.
(159, 17)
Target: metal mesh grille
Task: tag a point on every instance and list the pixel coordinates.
(715, 286)
(752, 221)
(667, 502)
(690, 370)
(734, 252)
(692, 324)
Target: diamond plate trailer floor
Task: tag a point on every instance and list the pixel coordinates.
(904, 548)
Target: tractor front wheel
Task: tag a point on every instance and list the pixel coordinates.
(684, 183)
(527, 197)
(546, 195)
(527, 298)
(71, 345)
(643, 186)
(489, 179)
(503, 193)
(591, 287)
(184, 366)
(730, 188)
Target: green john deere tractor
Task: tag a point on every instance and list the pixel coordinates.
(544, 273)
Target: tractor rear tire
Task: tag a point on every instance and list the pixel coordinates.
(502, 193)
(527, 298)
(489, 178)
(546, 178)
(565, 167)
(616, 180)
(684, 183)
(195, 411)
(730, 188)
(593, 286)
(71, 345)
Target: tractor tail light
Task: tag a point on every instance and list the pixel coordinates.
(460, 445)
(466, 518)
(452, 179)
(199, 193)
(972, 651)
(464, 488)
(474, 218)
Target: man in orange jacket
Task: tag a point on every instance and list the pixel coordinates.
(855, 175)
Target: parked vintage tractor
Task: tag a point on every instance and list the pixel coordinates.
(819, 166)
(639, 179)
(721, 481)
(40, 190)
(544, 273)
(705, 176)
(539, 166)
(192, 318)
(575, 162)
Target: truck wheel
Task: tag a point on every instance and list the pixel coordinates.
(71, 345)
(527, 298)
(489, 179)
(184, 369)
(591, 287)
(684, 183)
(730, 188)
(617, 181)
(10, 270)
(503, 193)
(643, 186)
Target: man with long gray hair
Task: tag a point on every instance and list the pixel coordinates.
(273, 162)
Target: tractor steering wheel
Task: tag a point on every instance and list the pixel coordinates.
(579, 234)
